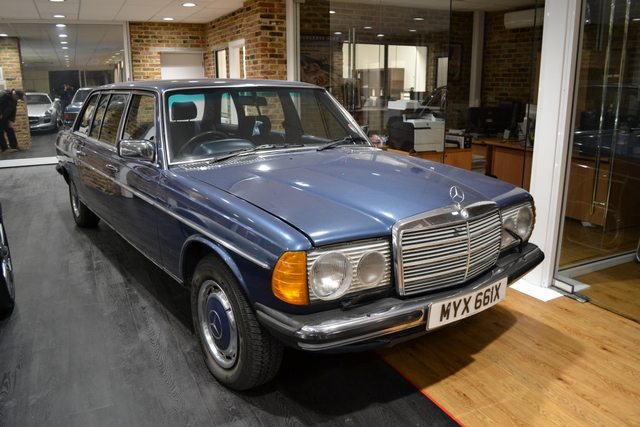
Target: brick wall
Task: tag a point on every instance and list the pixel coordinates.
(150, 39)
(260, 23)
(509, 62)
(11, 63)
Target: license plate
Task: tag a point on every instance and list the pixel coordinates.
(456, 308)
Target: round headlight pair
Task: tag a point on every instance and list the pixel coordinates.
(518, 221)
(331, 275)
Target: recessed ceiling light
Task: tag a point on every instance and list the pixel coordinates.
(4, 35)
(62, 35)
(418, 19)
(59, 16)
(380, 35)
(367, 28)
(167, 19)
(60, 25)
(188, 4)
(412, 31)
(332, 11)
(57, 1)
(337, 33)
(64, 42)
(65, 47)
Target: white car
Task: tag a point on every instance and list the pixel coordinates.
(44, 113)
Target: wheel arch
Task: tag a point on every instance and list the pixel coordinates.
(197, 247)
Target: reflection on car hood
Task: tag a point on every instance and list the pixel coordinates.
(354, 194)
(37, 109)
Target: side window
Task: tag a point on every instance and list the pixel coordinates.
(315, 118)
(97, 120)
(140, 121)
(85, 122)
(109, 131)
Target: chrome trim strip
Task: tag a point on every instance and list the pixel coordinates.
(188, 223)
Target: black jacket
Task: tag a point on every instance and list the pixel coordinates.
(8, 106)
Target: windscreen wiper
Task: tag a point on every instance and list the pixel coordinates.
(336, 142)
(251, 150)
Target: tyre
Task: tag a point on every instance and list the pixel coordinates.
(238, 351)
(82, 215)
(7, 286)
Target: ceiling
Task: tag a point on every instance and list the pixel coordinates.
(94, 28)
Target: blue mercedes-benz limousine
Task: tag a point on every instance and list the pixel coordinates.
(271, 204)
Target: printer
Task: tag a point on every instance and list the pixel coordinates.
(423, 133)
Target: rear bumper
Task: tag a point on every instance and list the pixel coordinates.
(380, 323)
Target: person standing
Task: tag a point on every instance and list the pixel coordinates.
(8, 108)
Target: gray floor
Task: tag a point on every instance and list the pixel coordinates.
(102, 337)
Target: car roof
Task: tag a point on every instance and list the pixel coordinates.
(164, 85)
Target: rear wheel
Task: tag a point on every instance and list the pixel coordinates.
(238, 351)
(82, 215)
(7, 286)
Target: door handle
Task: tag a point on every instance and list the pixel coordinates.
(112, 168)
(80, 153)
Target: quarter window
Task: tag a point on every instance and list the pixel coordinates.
(85, 122)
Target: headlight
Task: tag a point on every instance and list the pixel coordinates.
(333, 272)
(517, 224)
(48, 113)
(330, 276)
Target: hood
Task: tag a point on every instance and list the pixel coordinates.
(37, 109)
(342, 194)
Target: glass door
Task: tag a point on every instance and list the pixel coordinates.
(601, 226)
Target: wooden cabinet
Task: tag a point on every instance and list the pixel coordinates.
(460, 158)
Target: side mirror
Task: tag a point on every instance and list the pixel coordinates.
(137, 149)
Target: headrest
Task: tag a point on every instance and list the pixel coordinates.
(184, 110)
(255, 126)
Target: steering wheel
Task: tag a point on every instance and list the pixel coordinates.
(191, 144)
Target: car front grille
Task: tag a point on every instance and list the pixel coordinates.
(438, 249)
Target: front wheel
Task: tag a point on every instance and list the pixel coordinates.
(238, 351)
(82, 215)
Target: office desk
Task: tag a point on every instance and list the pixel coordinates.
(506, 160)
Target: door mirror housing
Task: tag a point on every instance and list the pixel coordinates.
(137, 149)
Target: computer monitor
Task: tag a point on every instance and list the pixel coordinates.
(490, 121)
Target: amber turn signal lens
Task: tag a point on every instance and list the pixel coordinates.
(289, 280)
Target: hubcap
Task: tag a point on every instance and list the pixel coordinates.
(217, 324)
(75, 202)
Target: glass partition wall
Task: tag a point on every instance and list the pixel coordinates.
(602, 216)
(378, 60)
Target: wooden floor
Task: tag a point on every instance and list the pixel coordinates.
(616, 289)
(531, 363)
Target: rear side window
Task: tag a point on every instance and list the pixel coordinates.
(141, 118)
(111, 123)
(85, 122)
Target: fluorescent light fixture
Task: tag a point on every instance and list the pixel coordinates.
(167, 19)
(62, 35)
(188, 4)
(4, 35)
(65, 47)
(59, 16)
(64, 42)
(61, 25)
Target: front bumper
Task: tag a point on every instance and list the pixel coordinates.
(42, 123)
(383, 322)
